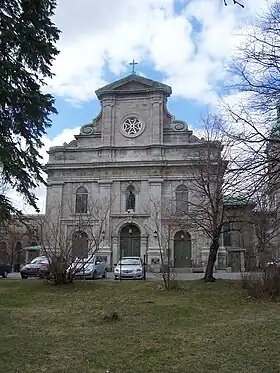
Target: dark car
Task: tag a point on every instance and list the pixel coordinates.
(38, 267)
(5, 269)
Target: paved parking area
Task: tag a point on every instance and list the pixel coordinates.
(152, 276)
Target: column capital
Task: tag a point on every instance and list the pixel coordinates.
(105, 182)
(155, 181)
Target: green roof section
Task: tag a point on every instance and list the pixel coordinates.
(275, 130)
(234, 201)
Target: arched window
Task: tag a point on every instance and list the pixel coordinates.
(80, 244)
(130, 198)
(81, 200)
(181, 199)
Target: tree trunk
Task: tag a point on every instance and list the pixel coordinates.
(208, 277)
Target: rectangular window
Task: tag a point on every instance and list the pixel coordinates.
(81, 203)
(181, 203)
(227, 235)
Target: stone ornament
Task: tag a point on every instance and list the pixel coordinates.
(179, 125)
(132, 126)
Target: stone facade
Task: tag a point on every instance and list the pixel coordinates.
(135, 145)
(19, 239)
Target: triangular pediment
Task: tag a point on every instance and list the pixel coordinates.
(133, 84)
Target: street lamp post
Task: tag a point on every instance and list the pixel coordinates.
(155, 234)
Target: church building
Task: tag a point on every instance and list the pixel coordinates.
(133, 153)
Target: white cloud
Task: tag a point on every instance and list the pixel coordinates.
(114, 32)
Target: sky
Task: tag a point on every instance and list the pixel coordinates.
(186, 44)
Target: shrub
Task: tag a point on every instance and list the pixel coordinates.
(262, 284)
(112, 316)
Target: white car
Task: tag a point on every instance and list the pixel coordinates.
(92, 267)
(129, 268)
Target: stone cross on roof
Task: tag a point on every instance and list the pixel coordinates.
(133, 63)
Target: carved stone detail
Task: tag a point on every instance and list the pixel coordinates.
(89, 129)
(179, 125)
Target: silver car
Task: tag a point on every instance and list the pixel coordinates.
(131, 268)
(92, 268)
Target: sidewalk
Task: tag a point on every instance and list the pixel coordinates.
(155, 277)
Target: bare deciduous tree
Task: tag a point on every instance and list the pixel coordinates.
(255, 74)
(214, 185)
(68, 246)
(234, 2)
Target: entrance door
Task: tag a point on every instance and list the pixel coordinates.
(234, 259)
(130, 241)
(182, 250)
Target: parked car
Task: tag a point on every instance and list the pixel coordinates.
(38, 267)
(5, 269)
(129, 268)
(92, 267)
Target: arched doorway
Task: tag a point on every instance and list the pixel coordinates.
(130, 239)
(182, 250)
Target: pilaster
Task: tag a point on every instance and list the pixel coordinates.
(115, 249)
(144, 245)
(108, 104)
(106, 201)
(155, 207)
(157, 124)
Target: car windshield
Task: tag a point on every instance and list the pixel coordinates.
(130, 261)
(39, 261)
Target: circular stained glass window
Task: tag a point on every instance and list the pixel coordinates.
(132, 126)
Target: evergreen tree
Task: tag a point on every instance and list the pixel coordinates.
(27, 49)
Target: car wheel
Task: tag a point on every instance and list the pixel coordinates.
(5, 274)
(94, 275)
(24, 277)
(104, 274)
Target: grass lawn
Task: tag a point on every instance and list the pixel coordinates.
(203, 328)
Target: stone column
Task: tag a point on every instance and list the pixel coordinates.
(26, 256)
(221, 262)
(143, 245)
(115, 249)
(107, 115)
(155, 211)
(53, 211)
(242, 260)
(54, 197)
(105, 199)
(157, 119)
